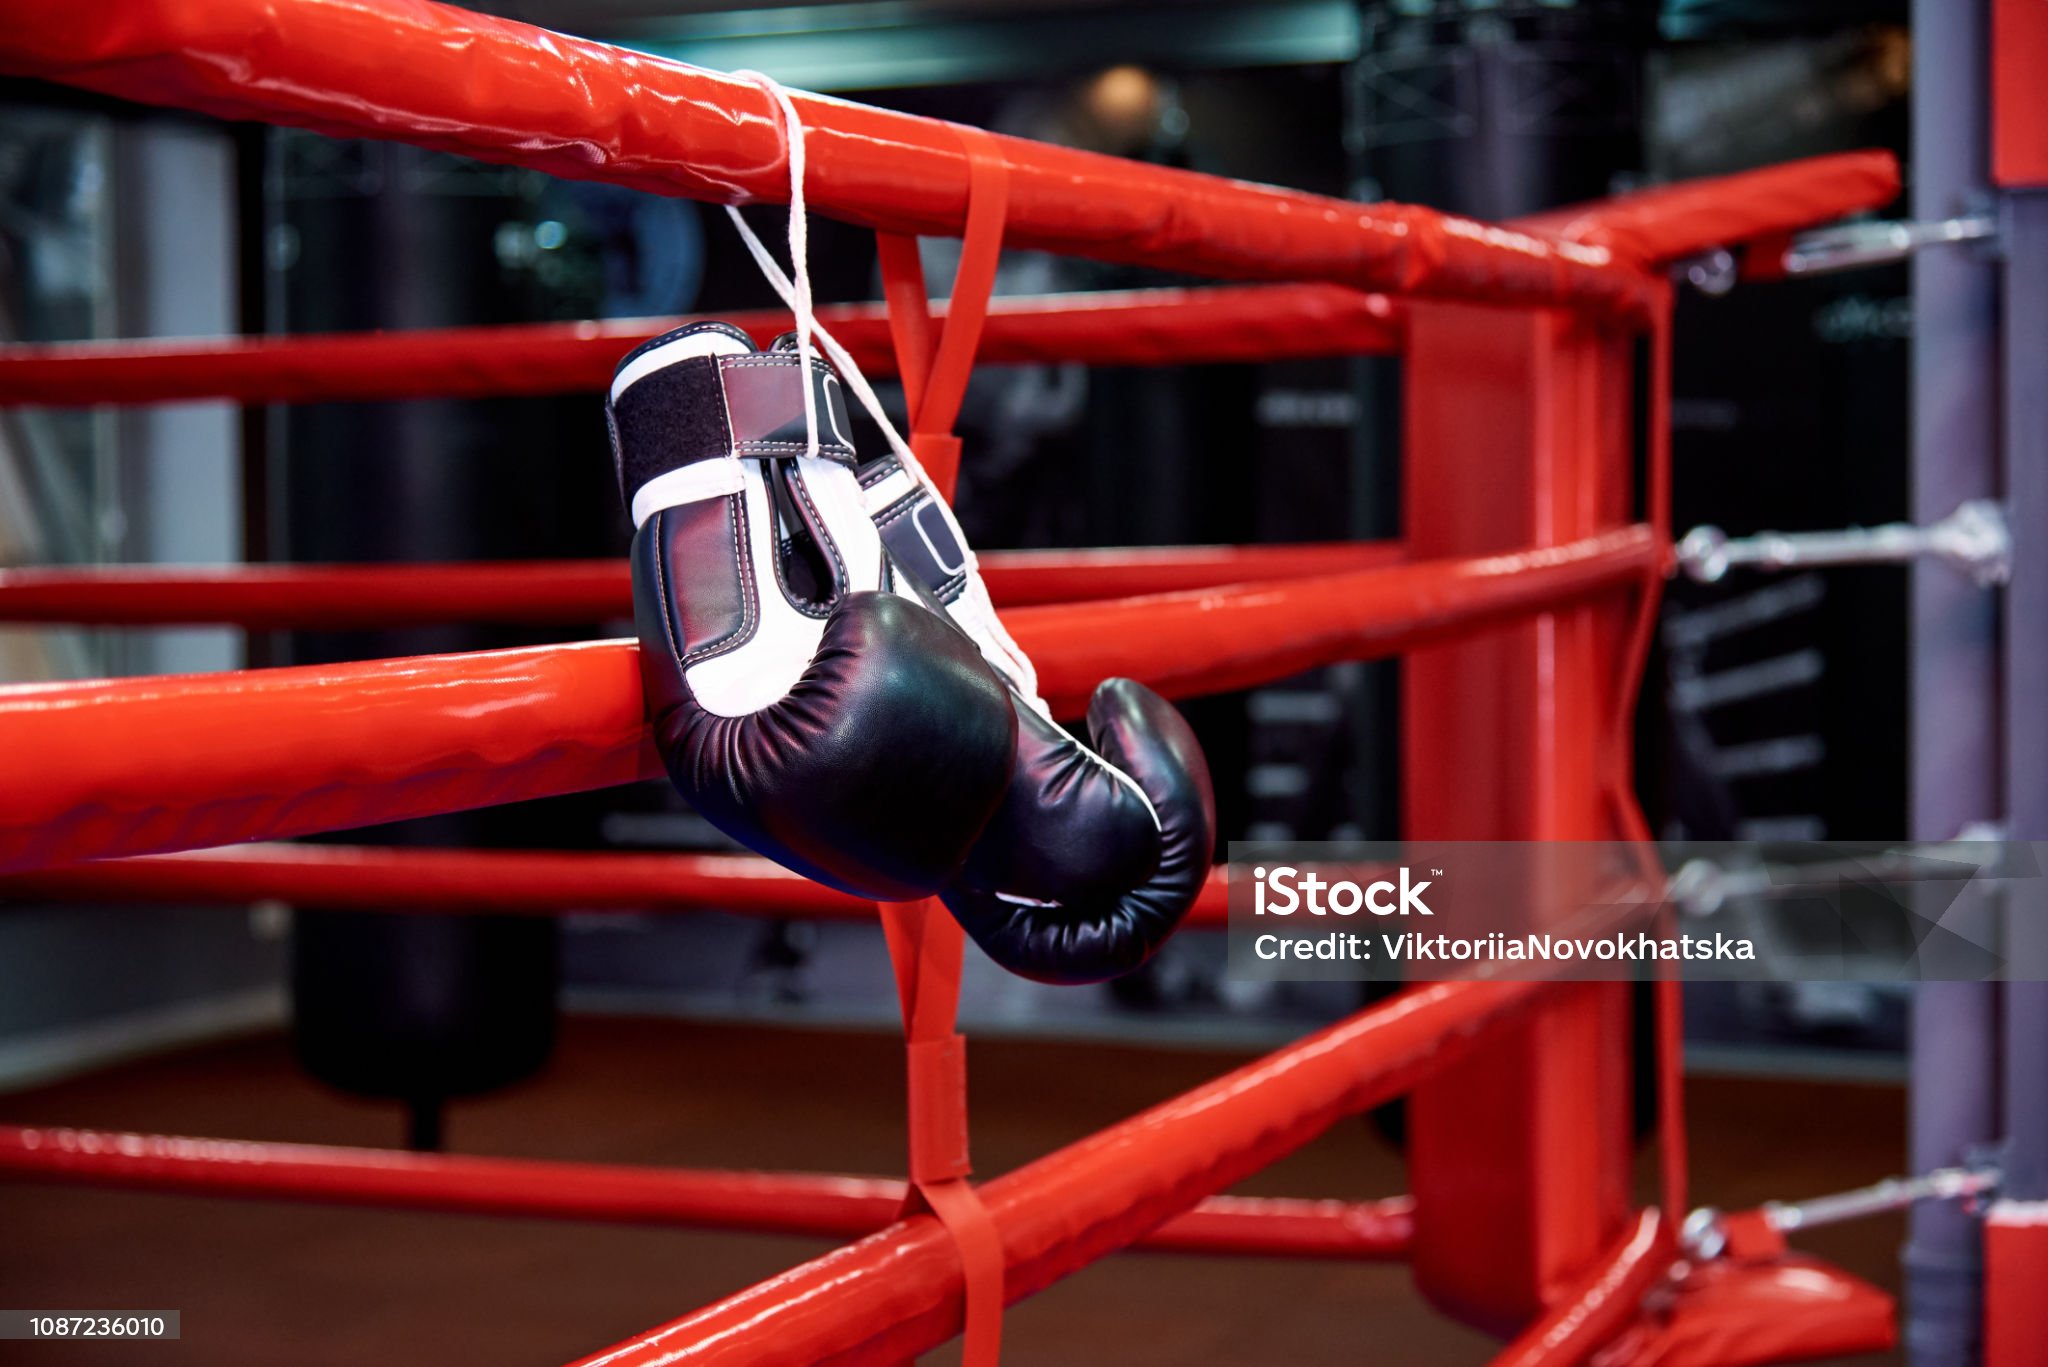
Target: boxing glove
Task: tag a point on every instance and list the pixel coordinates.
(846, 732)
(1095, 854)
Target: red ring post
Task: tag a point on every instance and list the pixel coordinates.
(1506, 735)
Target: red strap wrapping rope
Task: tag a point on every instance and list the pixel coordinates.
(925, 942)
(909, 315)
(1669, 1001)
(935, 376)
(926, 946)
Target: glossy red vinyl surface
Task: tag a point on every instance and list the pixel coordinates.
(1213, 640)
(818, 1204)
(1028, 578)
(2019, 58)
(1280, 1227)
(788, 1203)
(503, 91)
(2015, 1271)
(1516, 432)
(1138, 327)
(1603, 1304)
(261, 754)
(1731, 1314)
(185, 762)
(411, 880)
(326, 597)
(897, 1293)
(263, 597)
(408, 880)
(1669, 222)
(1253, 323)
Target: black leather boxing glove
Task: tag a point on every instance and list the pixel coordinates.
(847, 732)
(1096, 854)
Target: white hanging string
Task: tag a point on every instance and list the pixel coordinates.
(797, 293)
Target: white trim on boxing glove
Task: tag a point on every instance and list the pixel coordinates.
(971, 608)
(690, 484)
(785, 639)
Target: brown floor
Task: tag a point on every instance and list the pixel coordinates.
(268, 1285)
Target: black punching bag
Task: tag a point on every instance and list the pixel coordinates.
(420, 1008)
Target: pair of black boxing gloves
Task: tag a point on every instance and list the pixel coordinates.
(829, 684)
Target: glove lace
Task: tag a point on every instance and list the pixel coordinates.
(796, 292)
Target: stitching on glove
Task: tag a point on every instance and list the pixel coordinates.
(822, 533)
(736, 508)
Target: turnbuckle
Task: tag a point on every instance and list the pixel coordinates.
(1974, 538)
(1844, 247)
(1706, 1232)
(1850, 245)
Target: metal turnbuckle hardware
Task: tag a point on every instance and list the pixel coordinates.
(1705, 1232)
(1844, 247)
(1974, 538)
(1851, 245)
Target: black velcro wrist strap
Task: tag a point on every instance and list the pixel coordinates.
(666, 420)
(708, 408)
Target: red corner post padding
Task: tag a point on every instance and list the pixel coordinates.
(2015, 1273)
(1729, 1313)
(1507, 736)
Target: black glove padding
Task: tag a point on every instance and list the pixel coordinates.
(1072, 881)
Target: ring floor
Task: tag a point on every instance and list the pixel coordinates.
(262, 1283)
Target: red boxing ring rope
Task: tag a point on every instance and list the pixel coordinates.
(411, 880)
(502, 91)
(1668, 222)
(897, 1293)
(819, 1204)
(329, 597)
(1135, 327)
(268, 753)
(1138, 327)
